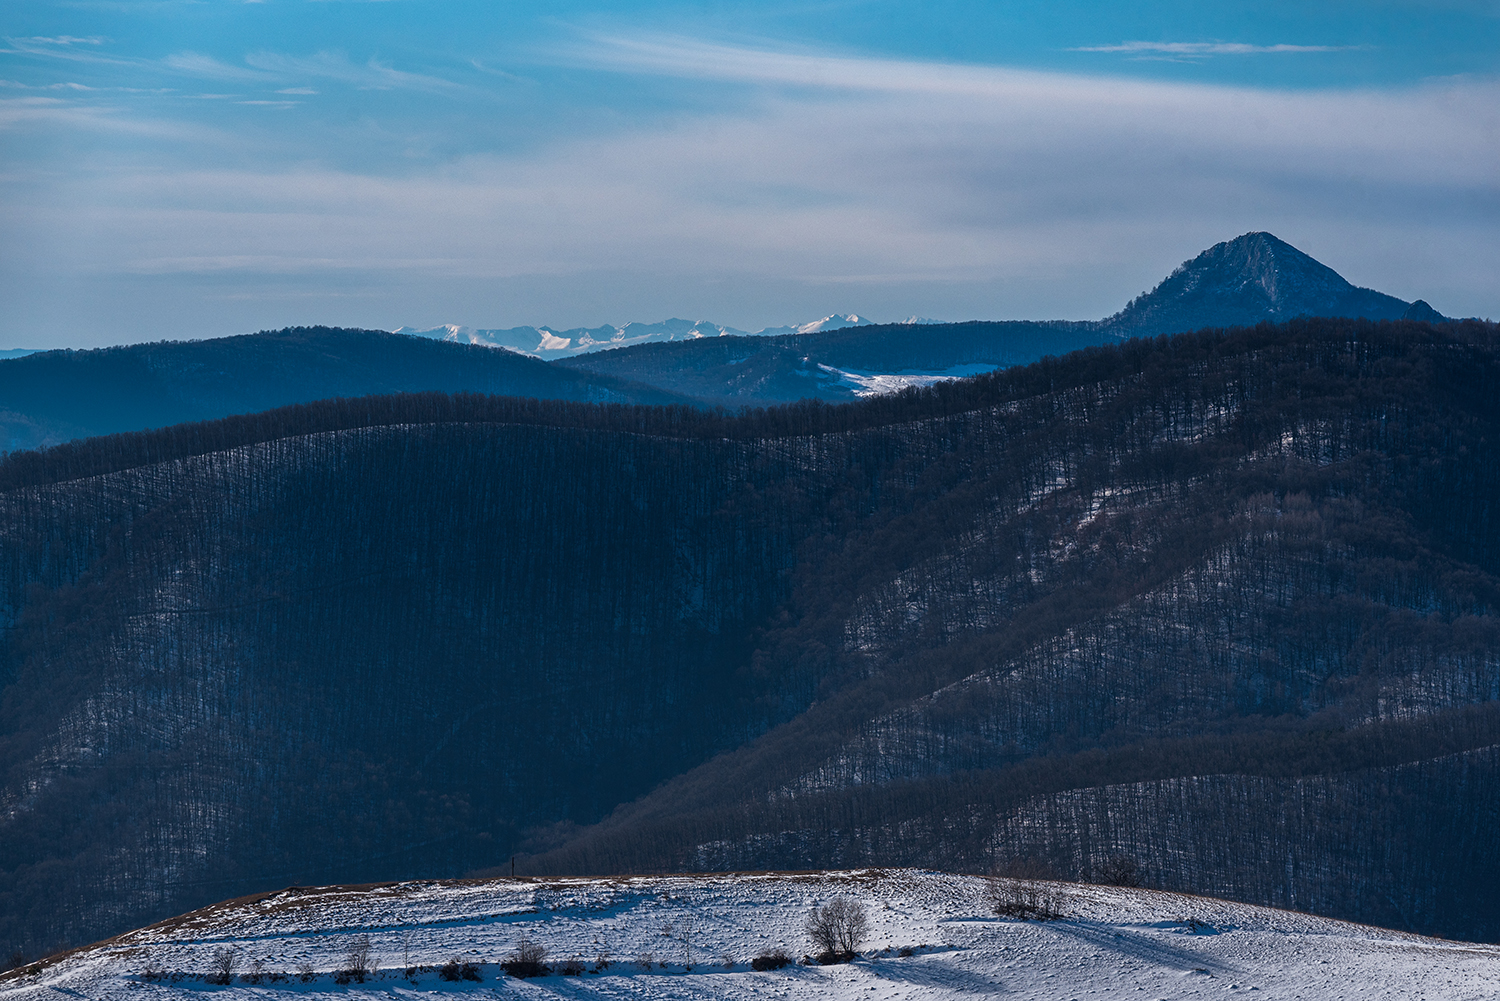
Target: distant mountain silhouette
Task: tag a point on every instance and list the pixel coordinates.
(55, 396)
(1250, 279)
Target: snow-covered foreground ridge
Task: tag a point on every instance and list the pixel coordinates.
(931, 935)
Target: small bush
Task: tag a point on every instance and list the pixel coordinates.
(223, 964)
(454, 970)
(528, 960)
(357, 959)
(153, 971)
(571, 967)
(257, 972)
(602, 961)
(305, 972)
(907, 952)
(772, 960)
(646, 960)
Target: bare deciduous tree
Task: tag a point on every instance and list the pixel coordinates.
(357, 958)
(837, 929)
(223, 964)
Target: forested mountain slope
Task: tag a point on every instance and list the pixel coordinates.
(55, 396)
(1224, 603)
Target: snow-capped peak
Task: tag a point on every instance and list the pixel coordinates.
(835, 321)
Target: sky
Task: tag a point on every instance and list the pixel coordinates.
(192, 168)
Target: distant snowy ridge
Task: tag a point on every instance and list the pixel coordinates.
(931, 936)
(547, 342)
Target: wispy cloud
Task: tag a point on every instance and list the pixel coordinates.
(1205, 49)
(902, 186)
(258, 67)
(371, 75)
(16, 84)
(66, 47)
(207, 67)
(63, 40)
(678, 56)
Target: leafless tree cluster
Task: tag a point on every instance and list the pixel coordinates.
(837, 929)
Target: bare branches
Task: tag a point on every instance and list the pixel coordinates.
(837, 929)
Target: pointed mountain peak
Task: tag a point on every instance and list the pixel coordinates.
(1244, 281)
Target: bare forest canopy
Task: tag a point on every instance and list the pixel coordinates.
(1221, 604)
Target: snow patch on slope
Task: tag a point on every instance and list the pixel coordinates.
(880, 383)
(932, 937)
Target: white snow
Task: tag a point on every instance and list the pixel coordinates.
(877, 383)
(1114, 943)
(837, 321)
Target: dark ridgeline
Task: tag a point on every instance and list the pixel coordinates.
(1224, 603)
(55, 396)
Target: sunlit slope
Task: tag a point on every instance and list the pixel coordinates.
(931, 936)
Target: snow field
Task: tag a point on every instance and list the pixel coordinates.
(1115, 943)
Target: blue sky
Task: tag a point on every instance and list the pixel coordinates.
(190, 169)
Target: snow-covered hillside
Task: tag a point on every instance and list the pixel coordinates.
(545, 342)
(931, 936)
(878, 383)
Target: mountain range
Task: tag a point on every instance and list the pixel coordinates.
(1221, 605)
(1252, 279)
(545, 342)
(55, 396)
(1244, 281)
